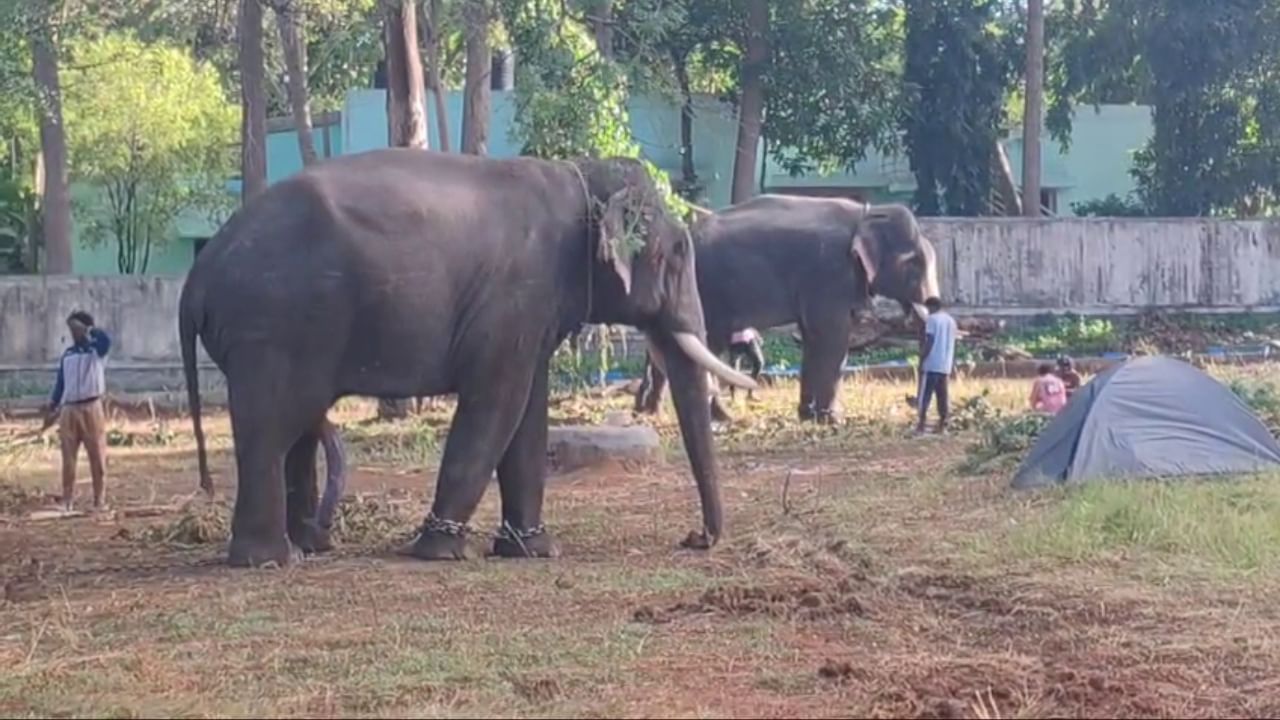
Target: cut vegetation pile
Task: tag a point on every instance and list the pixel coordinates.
(1002, 438)
(198, 522)
(375, 520)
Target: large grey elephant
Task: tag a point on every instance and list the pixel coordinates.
(779, 259)
(403, 273)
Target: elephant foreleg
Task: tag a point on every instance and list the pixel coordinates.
(825, 350)
(491, 405)
(522, 479)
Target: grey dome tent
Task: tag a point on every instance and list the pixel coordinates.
(1149, 417)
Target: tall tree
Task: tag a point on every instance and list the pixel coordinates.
(289, 22)
(833, 82)
(406, 113)
(433, 38)
(961, 62)
(1031, 118)
(151, 131)
(405, 86)
(830, 76)
(602, 26)
(677, 48)
(55, 202)
(570, 100)
(751, 101)
(476, 90)
(1210, 71)
(253, 96)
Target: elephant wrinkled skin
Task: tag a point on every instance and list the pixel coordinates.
(816, 262)
(405, 273)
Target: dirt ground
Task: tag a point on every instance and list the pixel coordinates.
(861, 576)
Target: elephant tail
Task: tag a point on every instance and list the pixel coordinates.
(188, 330)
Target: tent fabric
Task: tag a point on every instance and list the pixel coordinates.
(1149, 417)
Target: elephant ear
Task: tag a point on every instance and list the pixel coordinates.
(866, 247)
(622, 235)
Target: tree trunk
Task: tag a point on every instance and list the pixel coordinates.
(751, 104)
(687, 172)
(289, 19)
(475, 99)
(433, 36)
(1031, 164)
(405, 86)
(1002, 172)
(253, 114)
(602, 27)
(55, 204)
(406, 112)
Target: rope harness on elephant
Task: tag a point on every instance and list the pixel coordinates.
(590, 218)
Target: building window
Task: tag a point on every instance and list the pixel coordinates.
(1049, 201)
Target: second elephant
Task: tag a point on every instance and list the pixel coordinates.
(778, 259)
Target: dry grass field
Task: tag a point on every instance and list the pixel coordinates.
(865, 573)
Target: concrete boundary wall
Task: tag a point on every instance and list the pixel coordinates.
(1106, 266)
(991, 266)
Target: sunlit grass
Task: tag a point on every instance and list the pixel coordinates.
(1231, 524)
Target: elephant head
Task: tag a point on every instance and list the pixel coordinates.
(900, 262)
(650, 282)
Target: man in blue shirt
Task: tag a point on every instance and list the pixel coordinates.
(76, 403)
(937, 360)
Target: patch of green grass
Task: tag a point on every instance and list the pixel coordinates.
(1262, 397)
(1071, 334)
(1230, 525)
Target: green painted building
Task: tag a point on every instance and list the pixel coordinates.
(1097, 163)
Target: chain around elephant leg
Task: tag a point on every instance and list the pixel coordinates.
(533, 542)
(522, 479)
(440, 539)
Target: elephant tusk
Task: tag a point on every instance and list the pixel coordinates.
(699, 354)
(921, 311)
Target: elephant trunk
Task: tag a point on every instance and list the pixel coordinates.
(689, 393)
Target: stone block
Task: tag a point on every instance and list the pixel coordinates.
(571, 447)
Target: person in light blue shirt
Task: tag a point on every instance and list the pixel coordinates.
(937, 361)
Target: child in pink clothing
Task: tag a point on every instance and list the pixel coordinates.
(1048, 393)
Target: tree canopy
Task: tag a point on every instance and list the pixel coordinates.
(1210, 71)
(152, 128)
(961, 62)
(936, 81)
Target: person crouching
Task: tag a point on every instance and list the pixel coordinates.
(1048, 392)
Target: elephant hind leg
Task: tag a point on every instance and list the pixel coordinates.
(300, 485)
(271, 407)
(258, 532)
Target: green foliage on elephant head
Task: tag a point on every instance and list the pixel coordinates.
(674, 203)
